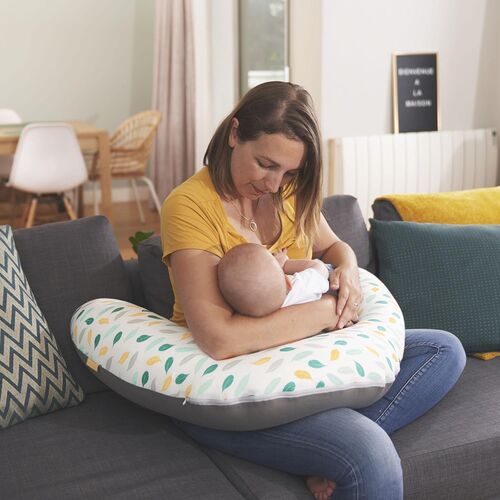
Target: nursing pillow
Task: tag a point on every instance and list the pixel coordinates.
(156, 364)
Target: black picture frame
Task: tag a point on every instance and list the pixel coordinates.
(415, 92)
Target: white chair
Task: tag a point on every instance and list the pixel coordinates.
(7, 116)
(48, 160)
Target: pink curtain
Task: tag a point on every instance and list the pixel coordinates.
(173, 158)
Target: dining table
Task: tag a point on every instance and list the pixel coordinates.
(92, 140)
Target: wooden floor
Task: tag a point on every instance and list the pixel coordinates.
(126, 220)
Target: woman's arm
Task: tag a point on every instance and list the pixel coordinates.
(221, 332)
(345, 278)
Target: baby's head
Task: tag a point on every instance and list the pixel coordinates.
(251, 280)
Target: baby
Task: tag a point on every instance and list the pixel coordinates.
(255, 283)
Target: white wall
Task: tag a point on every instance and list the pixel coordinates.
(88, 60)
(360, 36)
(85, 60)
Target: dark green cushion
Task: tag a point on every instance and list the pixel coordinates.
(444, 276)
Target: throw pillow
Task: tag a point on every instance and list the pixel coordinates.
(443, 276)
(34, 379)
(474, 206)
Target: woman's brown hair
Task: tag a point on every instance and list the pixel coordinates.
(274, 108)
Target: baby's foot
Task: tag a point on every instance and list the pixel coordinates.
(320, 487)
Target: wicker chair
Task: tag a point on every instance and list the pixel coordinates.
(130, 148)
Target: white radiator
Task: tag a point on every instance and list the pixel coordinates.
(422, 162)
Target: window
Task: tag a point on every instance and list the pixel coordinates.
(263, 36)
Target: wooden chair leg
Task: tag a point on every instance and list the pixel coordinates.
(31, 212)
(69, 208)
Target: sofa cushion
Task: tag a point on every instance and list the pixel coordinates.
(67, 264)
(34, 378)
(453, 451)
(344, 216)
(106, 448)
(444, 276)
(156, 286)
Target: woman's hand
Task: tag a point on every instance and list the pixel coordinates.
(345, 279)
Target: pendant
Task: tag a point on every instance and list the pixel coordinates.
(253, 225)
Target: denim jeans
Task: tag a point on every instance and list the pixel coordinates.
(353, 447)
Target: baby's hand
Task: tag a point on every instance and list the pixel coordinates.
(281, 256)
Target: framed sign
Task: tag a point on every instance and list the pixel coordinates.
(415, 92)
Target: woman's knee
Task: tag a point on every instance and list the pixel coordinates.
(446, 342)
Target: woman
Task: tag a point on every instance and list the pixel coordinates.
(262, 184)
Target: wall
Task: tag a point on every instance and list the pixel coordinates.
(359, 38)
(88, 60)
(83, 60)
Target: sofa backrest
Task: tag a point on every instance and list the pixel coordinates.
(342, 213)
(67, 264)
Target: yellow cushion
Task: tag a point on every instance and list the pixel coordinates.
(476, 206)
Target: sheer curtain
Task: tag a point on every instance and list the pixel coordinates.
(173, 158)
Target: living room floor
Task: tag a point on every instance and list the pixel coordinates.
(126, 220)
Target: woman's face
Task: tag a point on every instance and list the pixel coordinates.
(261, 166)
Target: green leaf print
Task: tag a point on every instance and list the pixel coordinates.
(290, 387)
(118, 336)
(314, 363)
(164, 347)
(145, 378)
(359, 369)
(96, 341)
(168, 364)
(210, 369)
(143, 338)
(227, 382)
(180, 378)
(89, 321)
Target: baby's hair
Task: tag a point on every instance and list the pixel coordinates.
(251, 280)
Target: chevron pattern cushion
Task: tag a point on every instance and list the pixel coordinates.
(34, 379)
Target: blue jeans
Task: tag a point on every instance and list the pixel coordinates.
(353, 447)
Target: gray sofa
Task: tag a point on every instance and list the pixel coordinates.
(107, 447)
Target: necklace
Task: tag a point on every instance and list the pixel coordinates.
(251, 222)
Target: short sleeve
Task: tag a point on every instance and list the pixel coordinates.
(186, 224)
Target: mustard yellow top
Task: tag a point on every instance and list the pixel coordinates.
(193, 217)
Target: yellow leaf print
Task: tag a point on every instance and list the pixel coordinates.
(123, 358)
(152, 323)
(187, 392)
(137, 314)
(261, 361)
(167, 382)
(334, 354)
(373, 351)
(303, 374)
(392, 320)
(186, 335)
(153, 360)
(103, 351)
(375, 289)
(103, 321)
(395, 358)
(89, 337)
